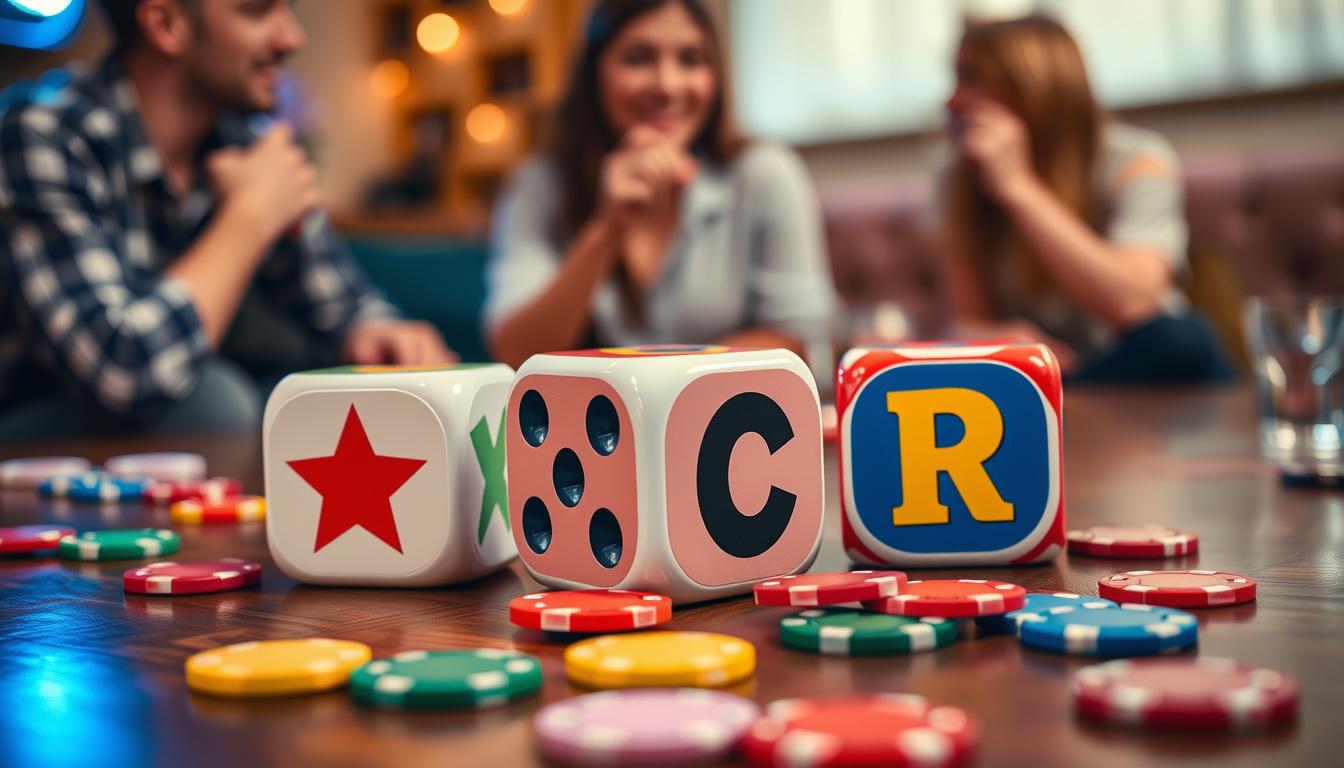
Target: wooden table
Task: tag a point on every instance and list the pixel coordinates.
(90, 675)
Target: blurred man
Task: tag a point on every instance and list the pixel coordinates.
(136, 211)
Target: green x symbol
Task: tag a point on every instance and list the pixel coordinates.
(490, 455)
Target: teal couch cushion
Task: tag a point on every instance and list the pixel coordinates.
(434, 279)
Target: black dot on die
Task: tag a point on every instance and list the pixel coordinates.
(604, 536)
(604, 427)
(567, 473)
(536, 525)
(533, 419)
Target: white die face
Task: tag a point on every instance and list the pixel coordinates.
(356, 482)
(663, 404)
(483, 496)
(379, 475)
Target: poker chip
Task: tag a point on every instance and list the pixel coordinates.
(29, 473)
(214, 489)
(590, 610)
(230, 509)
(275, 667)
(849, 632)
(191, 578)
(121, 544)
(1132, 541)
(1178, 589)
(829, 588)
(480, 678)
(882, 729)
(23, 539)
(647, 726)
(163, 467)
(1037, 603)
(951, 598)
(662, 659)
(60, 486)
(1201, 693)
(108, 488)
(1121, 630)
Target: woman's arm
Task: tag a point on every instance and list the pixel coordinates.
(558, 317)
(1121, 283)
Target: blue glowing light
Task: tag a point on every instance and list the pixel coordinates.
(39, 24)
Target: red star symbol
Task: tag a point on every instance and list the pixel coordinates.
(356, 485)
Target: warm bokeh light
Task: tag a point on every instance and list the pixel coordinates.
(486, 123)
(437, 32)
(390, 78)
(507, 7)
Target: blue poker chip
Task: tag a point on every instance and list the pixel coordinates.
(109, 489)
(1113, 630)
(62, 486)
(1038, 603)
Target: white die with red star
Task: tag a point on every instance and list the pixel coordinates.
(383, 475)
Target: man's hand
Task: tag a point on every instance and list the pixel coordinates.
(270, 184)
(395, 342)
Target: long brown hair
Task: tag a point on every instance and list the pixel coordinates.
(1034, 65)
(584, 135)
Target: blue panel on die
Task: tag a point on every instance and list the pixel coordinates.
(1019, 469)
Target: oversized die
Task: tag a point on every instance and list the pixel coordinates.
(386, 475)
(689, 471)
(950, 454)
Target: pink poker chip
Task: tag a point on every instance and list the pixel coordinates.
(644, 726)
(28, 473)
(168, 467)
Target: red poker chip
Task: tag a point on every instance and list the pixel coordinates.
(1195, 693)
(1132, 541)
(829, 588)
(31, 538)
(191, 578)
(214, 489)
(952, 598)
(1178, 589)
(882, 729)
(590, 610)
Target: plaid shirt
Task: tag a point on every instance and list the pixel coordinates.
(88, 227)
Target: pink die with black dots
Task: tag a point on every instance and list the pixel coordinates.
(687, 471)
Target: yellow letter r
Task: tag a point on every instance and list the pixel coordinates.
(922, 459)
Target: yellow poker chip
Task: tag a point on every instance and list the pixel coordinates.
(275, 667)
(698, 659)
(227, 509)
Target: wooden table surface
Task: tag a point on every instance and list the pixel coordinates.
(89, 675)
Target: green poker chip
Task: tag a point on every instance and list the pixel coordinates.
(118, 544)
(470, 679)
(849, 632)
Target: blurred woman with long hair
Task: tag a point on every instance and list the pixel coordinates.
(1060, 224)
(651, 220)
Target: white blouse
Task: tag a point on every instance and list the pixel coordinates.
(749, 253)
